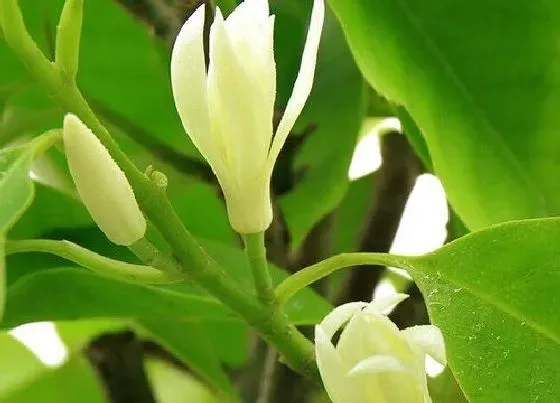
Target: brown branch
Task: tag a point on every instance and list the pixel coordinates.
(119, 362)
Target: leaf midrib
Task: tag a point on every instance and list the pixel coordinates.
(449, 71)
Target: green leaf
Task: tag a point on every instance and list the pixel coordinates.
(494, 294)
(17, 366)
(50, 210)
(16, 187)
(444, 389)
(2, 275)
(350, 215)
(175, 386)
(188, 342)
(481, 80)
(82, 294)
(334, 112)
(75, 381)
(204, 213)
(230, 341)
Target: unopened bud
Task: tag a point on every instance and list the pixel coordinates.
(68, 37)
(102, 185)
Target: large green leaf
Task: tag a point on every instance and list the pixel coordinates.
(481, 80)
(334, 112)
(495, 295)
(83, 294)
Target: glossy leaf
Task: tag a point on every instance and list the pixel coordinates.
(480, 79)
(494, 294)
(82, 294)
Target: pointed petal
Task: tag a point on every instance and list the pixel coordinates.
(382, 305)
(429, 339)
(333, 370)
(239, 114)
(380, 363)
(303, 84)
(339, 316)
(188, 81)
(251, 33)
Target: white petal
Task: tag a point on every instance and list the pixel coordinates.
(248, 12)
(333, 370)
(380, 363)
(382, 305)
(251, 34)
(188, 81)
(429, 339)
(304, 81)
(239, 114)
(339, 316)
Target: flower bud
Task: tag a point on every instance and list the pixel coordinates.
(373, 360)
(68, 37)
(102, 185)
(228, 110)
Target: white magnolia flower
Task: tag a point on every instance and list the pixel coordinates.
(374, 361)
(101, 184)
(227, 111)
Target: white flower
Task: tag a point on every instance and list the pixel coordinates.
(228, 110)
(101, 184)
(373, 361)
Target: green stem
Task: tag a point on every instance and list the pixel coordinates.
(273, 326)
(90, 260)
(152, 256)
(255, 251)
(313, 273)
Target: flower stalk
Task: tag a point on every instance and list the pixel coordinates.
(255, 251)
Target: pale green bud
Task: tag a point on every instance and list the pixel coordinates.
(228, 111)
(373, 360)
(102, 185)
(68, 35)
